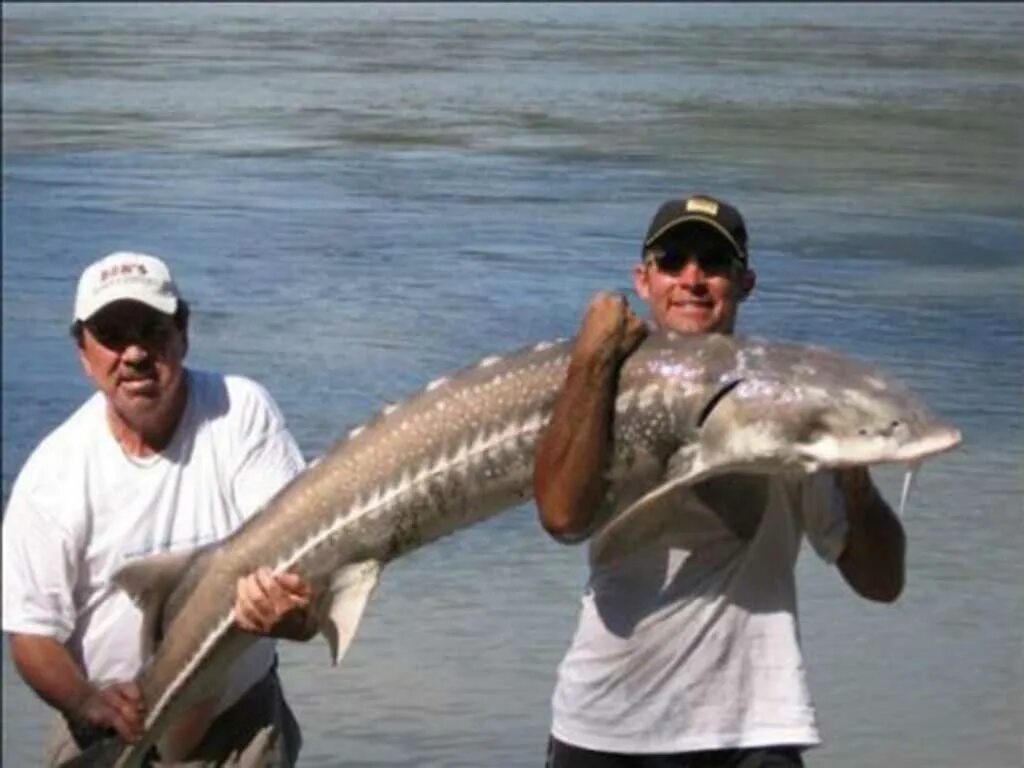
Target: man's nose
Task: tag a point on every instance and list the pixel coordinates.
(691, 274)
(135, 353)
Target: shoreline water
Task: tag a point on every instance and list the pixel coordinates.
(361, 198)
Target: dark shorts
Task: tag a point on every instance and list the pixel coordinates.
(562, 755)
(258, 730)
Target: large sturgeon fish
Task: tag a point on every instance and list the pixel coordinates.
(462, 450)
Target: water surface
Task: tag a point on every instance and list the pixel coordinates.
(358, 198)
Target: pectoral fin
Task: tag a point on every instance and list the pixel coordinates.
(149, 582)
(685, 467)
(152, 578)
(343, 603)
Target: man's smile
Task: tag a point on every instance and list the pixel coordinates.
(136, 384)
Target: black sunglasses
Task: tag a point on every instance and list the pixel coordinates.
(718, 261)
(152, 331)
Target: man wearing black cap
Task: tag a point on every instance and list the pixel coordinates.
(687, 650)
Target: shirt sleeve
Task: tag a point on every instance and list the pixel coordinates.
(269, 457)
(40, 562)
(823, 515)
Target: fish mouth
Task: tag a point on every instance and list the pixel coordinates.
(940, 442)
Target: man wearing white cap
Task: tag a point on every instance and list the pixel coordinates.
(161, 459)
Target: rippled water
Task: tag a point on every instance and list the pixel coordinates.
(358, 198)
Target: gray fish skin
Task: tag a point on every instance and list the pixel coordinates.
(463, 449)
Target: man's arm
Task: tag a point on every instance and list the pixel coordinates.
(574, 450)
(873, 561)
(48, 668)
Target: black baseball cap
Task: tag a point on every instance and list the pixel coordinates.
(701, 209)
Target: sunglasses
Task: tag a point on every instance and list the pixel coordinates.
(152, 332)
(717, 261)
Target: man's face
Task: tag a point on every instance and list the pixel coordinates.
(696, 286)
(135, 355)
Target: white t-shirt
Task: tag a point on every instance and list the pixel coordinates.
(689, 641)
(81, 508)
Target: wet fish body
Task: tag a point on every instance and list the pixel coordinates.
(462, 450)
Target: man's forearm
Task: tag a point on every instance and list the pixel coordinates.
(572, 456)
(873, 561)
(569, 477)
(48, 668)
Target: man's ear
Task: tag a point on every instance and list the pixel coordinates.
(641, 281)
(747, 282)
(83, 358)
(184, 341)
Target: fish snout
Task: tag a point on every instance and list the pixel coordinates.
(895, 439)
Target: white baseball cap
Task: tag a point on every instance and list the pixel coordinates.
(126, 275)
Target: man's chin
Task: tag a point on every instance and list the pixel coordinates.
(139, 404)
(691, 322)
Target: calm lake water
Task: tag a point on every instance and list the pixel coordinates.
(359, 198)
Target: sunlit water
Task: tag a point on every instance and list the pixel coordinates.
(356, 199)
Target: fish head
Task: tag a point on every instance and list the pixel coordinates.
(809, 409)
(748, 407)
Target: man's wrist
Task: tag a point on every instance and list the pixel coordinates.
(298, 624)
(596, 358)
(80, 725)
(78, 703)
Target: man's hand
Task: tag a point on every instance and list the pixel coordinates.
(610, 330)
(267, 604)
(873, 562)
(117, 705)
(48, 668)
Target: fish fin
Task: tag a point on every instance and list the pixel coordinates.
(345, 600)
(683, 468)
(682, 464)
(149, 581)
(152, 577)
(686, 466)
